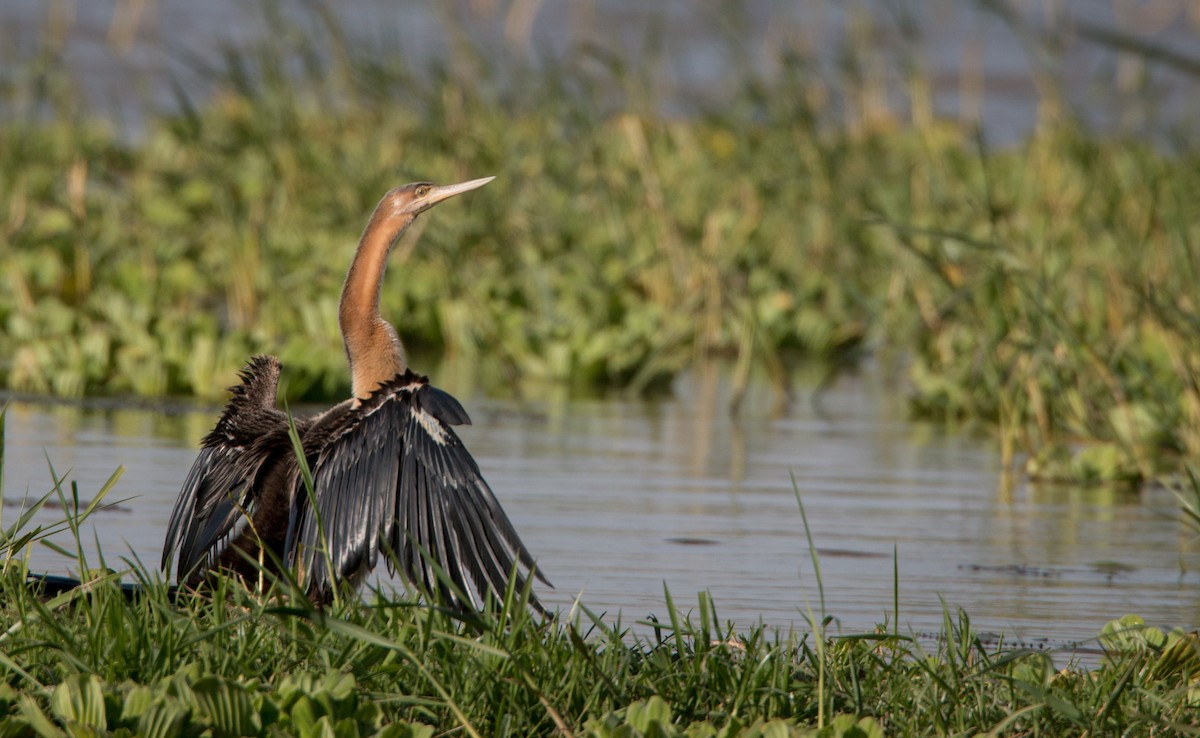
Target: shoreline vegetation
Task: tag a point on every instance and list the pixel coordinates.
(123, 654)
(1043, 292)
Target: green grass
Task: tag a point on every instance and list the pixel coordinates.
(94, 661)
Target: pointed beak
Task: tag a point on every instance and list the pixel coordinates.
(445, 192)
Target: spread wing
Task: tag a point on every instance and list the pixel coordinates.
(221, 490)
(395, 478)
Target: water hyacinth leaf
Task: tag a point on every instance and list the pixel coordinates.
(322, 728)
(304, 714)
(165, 718)
(338, 693)
(843, 726)
(1129, 634)
(41, 724)
(1135, 423)
(226, 706)
(137, 701)
(346, 728)
(1180, 655)
(781, 729)
(15, 727)
(406, 730)
(369, 714)
(294, 686)
(708, 730)
(79, 700)
(364, 635)
(609, 726)
(653, 714)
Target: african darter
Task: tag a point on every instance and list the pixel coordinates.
(389, 475)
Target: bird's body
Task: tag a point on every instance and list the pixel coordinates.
(389, 474)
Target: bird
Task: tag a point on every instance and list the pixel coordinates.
(387, 476)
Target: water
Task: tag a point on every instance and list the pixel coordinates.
(130, 56)
(619, 499)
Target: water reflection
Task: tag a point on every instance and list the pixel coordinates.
(619, 498)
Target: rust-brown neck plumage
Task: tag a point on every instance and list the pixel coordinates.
(372, 344)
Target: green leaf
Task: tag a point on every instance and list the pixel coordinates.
(340, 686)
(642, 716)
(322, 728)
(227, 707)
(337, 695)
(346, 728)
(777, 729)
(304, 714)
(163, 719)
(406, 730)
(1180, 655)
(1130, 634)
(137, 701)
(79, 700)
(37, 719)
(848, 726)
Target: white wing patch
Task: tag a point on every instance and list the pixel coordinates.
(432, 426)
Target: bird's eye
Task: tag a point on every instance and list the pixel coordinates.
(422, 191)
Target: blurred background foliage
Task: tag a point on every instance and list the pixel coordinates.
(1044, 290)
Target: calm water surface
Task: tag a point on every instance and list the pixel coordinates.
(618, 499)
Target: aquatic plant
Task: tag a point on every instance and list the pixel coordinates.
(1044, 291)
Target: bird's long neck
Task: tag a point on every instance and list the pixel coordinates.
(372, 345)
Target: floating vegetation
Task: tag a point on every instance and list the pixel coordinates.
(1046, 290)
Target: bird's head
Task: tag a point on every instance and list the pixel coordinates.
(414, 199)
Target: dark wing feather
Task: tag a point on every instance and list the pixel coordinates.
(394, 477)
(221, 490)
